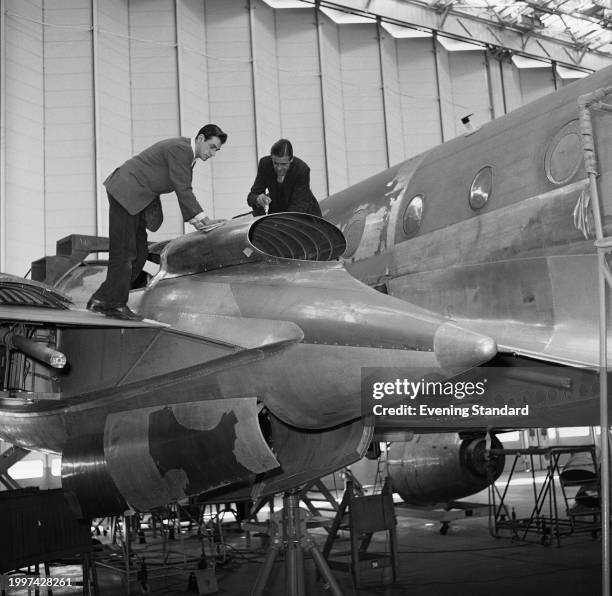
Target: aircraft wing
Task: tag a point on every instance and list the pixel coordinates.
(565, 344)
(239, 332)
(37, 314)
(26, 301)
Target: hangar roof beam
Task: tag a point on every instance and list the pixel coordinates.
(572, 33)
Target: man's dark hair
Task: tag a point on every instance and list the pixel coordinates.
(212, 130)
(282, 148)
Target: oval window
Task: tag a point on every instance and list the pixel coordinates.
(564, 154)
(482, 186)
(354, 231)
(413, 216)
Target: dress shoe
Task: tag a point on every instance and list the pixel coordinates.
(95, 305)
(116, 312)
(122, 312)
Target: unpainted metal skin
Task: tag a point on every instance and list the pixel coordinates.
(250, 375)
(262, 333)
(494, 231)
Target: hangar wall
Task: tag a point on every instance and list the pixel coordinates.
(84, 84)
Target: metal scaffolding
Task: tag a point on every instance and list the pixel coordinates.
(587, 104)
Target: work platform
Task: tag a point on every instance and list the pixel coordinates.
(558, 507)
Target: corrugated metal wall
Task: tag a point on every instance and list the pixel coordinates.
(23, 150)
(87, 83)
(69, 148)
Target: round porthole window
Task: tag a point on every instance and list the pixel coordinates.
(354, 231)
(564, 154)
(482, 186)
(413, 215)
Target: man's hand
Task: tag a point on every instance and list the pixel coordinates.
(212, 224)
(204, 224)
(264, 201)
(198, 220)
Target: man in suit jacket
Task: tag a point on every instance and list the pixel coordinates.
(133, 192)
(287, 180)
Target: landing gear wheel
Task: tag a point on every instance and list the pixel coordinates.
(444, 528)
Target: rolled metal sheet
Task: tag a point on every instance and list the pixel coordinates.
(181, 450)
(86, 481)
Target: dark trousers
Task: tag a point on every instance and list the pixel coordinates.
(128, 249)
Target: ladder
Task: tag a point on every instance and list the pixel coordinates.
(367, 514)
(313, 494)
(320, 500)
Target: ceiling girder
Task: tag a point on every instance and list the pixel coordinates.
(451, 18)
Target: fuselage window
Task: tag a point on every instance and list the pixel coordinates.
(413, 216)
(354, 231)
(481, 189)
(564, 157)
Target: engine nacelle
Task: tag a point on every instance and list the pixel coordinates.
(438, 468)
(281, 236)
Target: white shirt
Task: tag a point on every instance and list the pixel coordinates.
(192, 141)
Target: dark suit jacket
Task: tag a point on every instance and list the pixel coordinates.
(162, 168)
(293, 194)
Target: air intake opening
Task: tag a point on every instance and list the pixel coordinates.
(297, 236)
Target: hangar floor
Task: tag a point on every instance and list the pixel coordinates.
(466, 560)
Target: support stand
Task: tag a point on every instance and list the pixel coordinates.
(293, 540)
